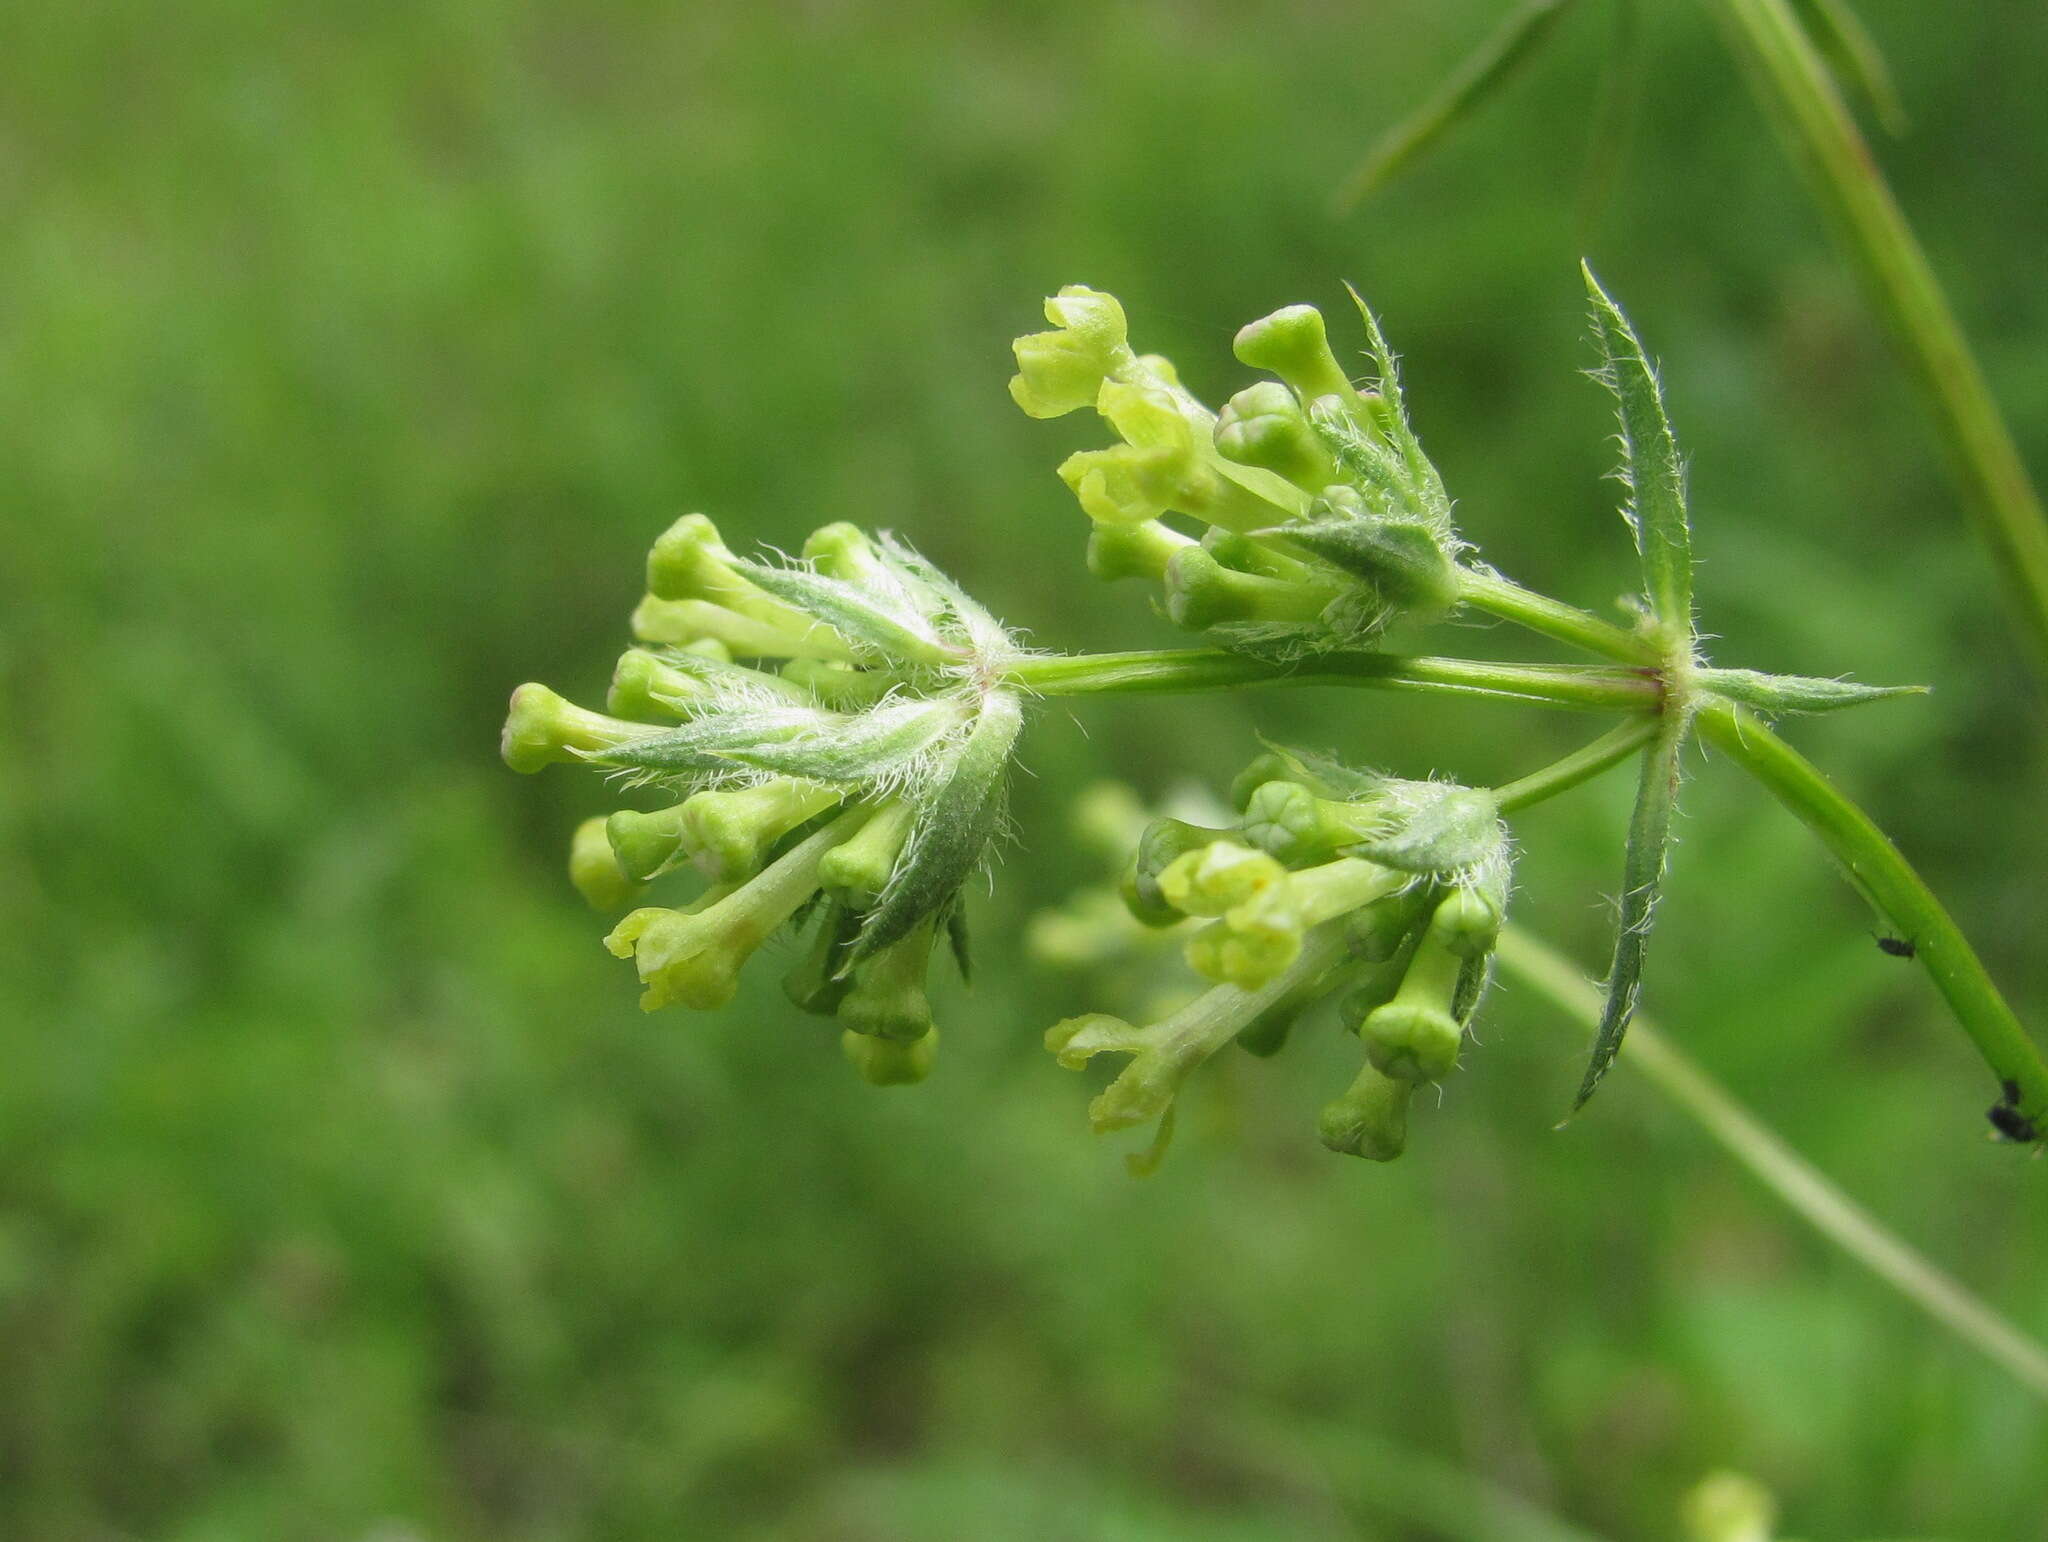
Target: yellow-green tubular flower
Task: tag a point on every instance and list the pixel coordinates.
(682, 622)
(843, 551)
(1202, 593)
(1163, 1054)
(728, 834)
(1217, 876)
(1264, 426)
(887, 1000)
(1468, 919)
(856, 873)
(542, 729)
(1371, 1119)
(1133, 551)
(1263, 934)
(1293, 344)
(890, 1062)
(677, 683)
(689, 562)
(1416, 1036)
(646, 845)
(694, 957)
(1164, 842)
(1062, 370)
(595, 871)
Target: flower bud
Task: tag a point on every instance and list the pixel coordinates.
(856, 873)
(1468, 920)
(1061, 370)
(728, 834)
(1217, 876)
(542, 729)
(690, 562)
(843, 551)
(1268, 767)
(890, 1062)
(1371, 1119)
(1415, 1037)
(1164, 841)
(887, 1000)
(1133, 551)
(647, 690)
(1202, 593)
(1264, 426)
(645, 845)
(694, 956)
(595, 871)
(1293, 344)
(1294, 825)
(680, 623)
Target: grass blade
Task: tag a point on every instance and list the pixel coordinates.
(1852, 53)
(1792, 81)
(1484, 72)
(1802, 1187)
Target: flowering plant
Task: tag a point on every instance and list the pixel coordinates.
(834, 732)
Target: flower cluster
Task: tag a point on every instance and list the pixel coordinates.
(1320, 519)
(848, 775)
(1386, 895)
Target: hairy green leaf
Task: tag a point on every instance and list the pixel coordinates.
(1651, 469)
(1483, 72)
(863, 616)
(1439, 827)
(958, 815)
(1795, 693)
(864, 748)
(710, 743)
(1642, 880)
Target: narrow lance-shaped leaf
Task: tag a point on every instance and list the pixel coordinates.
(867, 747)
(1642, 879)
(1854, 57)
(864, 617)
(1484, 71)
(958, 815)
(1422, 474)
(1794, 693)
(707, 743)
(1651, 469)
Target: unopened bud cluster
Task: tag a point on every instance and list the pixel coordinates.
(1384, 895)
(826, 741)
(1301, 518)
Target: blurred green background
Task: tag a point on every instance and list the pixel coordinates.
(350, 356)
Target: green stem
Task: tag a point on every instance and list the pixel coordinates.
(1165, 671)
(1878, 870)
(1793, 81)
(1802, 1187)
(1609, 750)
(1486, 590)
